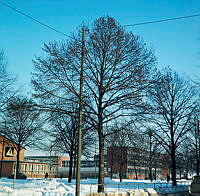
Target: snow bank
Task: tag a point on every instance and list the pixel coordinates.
(37, 187)
(58, 187)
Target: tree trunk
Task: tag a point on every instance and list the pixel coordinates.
(173, 148)
(150, 173)
(136, 175)
(173, 159)
(120, 173)
(18, 154)
(111, 171)
(111, 165)
(74, 166)
(155, 176)
(70, 167)
(197, 168)
(187, 168)
(101, 164)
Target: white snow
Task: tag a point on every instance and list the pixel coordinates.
(58, 187)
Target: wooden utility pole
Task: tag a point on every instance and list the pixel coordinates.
(79, 149)
(2, 158)
(197, 144)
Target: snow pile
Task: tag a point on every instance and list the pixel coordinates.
(58, 187)
(165, 190)
(36, 187)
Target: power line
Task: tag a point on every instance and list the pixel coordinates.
(30, 17)
(128, 25)
(163, 20)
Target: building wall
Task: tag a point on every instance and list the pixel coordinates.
(7, 146)
(86, 172)
(61, 159)
(8, 156)
(7, 168)
(38, 166)
(117, 159)
(165, 166)
(34, 168)
(30, 169)
(38, 169)
(130, 161)
(56, 160)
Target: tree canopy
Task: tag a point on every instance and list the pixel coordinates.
(117, 70)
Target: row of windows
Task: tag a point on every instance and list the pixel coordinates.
(83, 164)
(36, 169)
(143, 163)
(142, 171)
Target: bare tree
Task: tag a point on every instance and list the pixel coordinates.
(154, 150)
(172, 99)
(185, 157)
(116, 72)
(22, 124)
(194, 136)
(128, 137)
(118, 142)
(63, 135)
(6, 81)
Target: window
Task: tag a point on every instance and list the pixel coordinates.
(65, 163)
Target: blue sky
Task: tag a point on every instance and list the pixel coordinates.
(176, 43)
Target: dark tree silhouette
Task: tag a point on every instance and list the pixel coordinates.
(21, 123)
(194, 136)
(64, 136)
(6, 81)
(117, 142)
(173, 100)
(117, 69)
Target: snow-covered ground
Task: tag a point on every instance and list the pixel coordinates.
(60, 187)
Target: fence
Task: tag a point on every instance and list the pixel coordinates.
(109, 189)
(129, 186)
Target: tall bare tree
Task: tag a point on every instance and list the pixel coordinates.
(6, 81)
(153, 157)
(21, 123)
(172, 99)
(116, 72)
(194, 136)
(118, 142)
(63, 135)
(186, 157)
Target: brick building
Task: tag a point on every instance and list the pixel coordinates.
(31, 166)
(132, 163)
(53, 160)
(8, 155)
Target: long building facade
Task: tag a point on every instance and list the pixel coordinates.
(124, 162)
(135, 163)
(31, 166)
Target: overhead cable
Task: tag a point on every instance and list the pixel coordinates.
(36, 20)
(128, 25)
(163, 20)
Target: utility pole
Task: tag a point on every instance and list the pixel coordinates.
(197, 145)
(2, 158)
(198, 131)
(79, 149)
(150, 154)
(95, 160)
